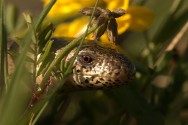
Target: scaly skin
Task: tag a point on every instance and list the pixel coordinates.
(98, 66)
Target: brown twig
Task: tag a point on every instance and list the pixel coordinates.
(172, 44)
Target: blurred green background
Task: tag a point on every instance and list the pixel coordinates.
(34, 6)
(159, 93)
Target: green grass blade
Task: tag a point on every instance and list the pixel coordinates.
(21, 83)
(44, 14)
(81, 42)
(58, 59)
(3, 38)
(63, 52)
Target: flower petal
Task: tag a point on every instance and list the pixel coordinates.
(123, 23)
(70, 29)
(64, 9)
(114, 4)
(141, 18)
(106, 43)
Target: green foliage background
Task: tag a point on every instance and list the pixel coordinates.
(157, 96)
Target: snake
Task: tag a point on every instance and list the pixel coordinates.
(96, 66)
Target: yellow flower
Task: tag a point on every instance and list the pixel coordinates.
(137, 18)
(64, 9)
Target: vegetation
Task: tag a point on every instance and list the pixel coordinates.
(157, 96)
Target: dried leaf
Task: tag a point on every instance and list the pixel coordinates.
(100, 31)
(118, 12)
(101, 20)
(89, 10)
(112, 30)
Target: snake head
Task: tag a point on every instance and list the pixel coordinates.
(100, 67)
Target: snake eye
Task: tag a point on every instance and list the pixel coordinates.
(86, 59)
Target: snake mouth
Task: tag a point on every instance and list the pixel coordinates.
(106, 80)
(86, 75)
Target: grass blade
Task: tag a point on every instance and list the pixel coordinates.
(44, 14)
(3, 38)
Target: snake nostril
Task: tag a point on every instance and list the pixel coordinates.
(117, 73)
(86, 81)
(78, 71)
